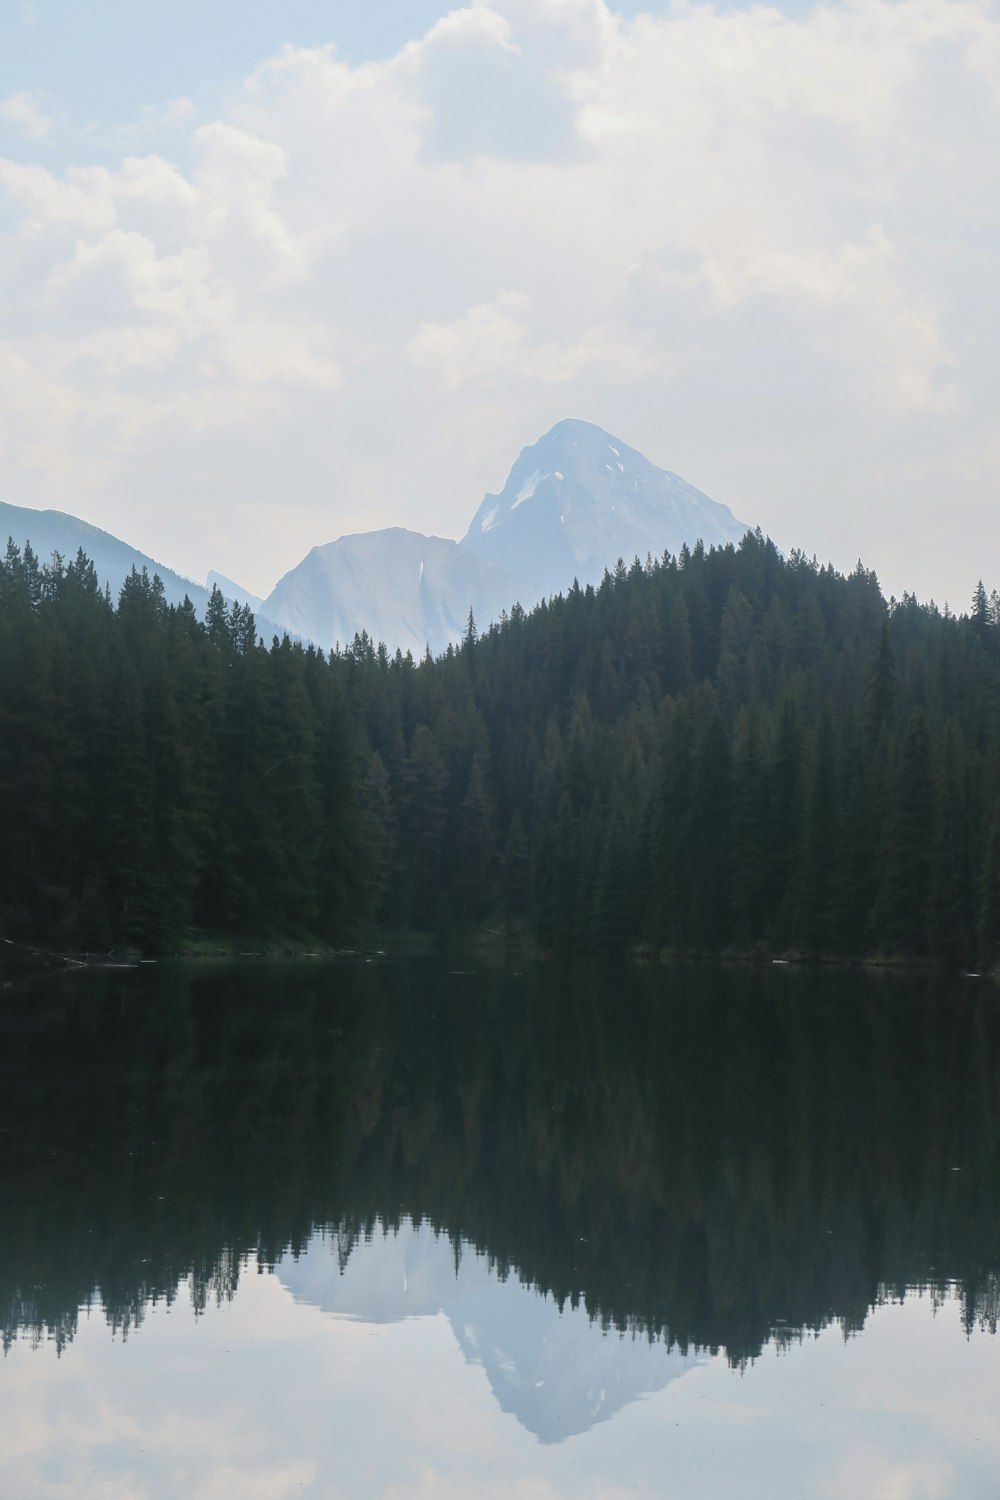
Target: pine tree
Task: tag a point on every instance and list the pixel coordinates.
(817, 879)
(475, 851)
(881, 690)
(903, 902)
(711, 825)
(988, 925)
(673, 844)
(422, 815)
(515, 874)
(751, 834)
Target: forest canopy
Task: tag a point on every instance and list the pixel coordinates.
(729, 750)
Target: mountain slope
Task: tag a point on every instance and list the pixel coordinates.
(579, 499)
(574, 502)
(51, 531)
(234, 590)
(403, 588)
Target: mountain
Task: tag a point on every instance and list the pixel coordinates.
(51, 531)
(403, 588)
(557, 1371)
(233, 590)
(579, 499)
(574, 502)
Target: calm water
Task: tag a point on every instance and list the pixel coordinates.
(377, 1230)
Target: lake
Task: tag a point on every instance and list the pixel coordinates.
(440, 1228)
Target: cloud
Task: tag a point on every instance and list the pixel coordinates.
(155, 124)
(24, 111)
(81, 199)
(492, 342)
(760, 245)
(485, 94)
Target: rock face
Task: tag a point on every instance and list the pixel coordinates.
(403, 588)
(579, 499)
(574, 502)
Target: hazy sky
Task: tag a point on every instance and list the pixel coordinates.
(269, 273)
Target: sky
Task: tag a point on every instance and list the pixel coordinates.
(263, 1398)
(272, 274)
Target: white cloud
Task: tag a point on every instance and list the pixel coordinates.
(178, 113)
(491, 343)
(155, 123)
(81, 199)
(25, 111)
(486, 341)
(760, 245)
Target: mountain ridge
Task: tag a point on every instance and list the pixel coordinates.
(574, 502)
(49, 531)
(580, 498)
(398, 586)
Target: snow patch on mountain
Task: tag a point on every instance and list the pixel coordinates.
(587, 512)
(528, 488)
(413, 591)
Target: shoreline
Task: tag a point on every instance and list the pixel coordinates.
(20, 960)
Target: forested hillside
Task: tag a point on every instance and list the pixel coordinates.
(721, 751)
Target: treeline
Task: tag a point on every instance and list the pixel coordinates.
(159, 772)
(727, 750)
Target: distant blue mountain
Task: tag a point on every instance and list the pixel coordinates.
(51, 531)
(574, 503)
(579, 499)
(406, 589)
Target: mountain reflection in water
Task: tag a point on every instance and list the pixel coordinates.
(701, 1159)
(549, 1367)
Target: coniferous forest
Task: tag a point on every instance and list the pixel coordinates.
(724, 751)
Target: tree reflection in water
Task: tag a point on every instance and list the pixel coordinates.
(710, 1156)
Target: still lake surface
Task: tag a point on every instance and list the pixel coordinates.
(381, 1230)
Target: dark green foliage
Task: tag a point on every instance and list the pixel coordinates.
(989, 901)
(709, 835)
(902, 913)
(819, 846)
(586, 1129)
(516, 868)
(751, 824)
(157, 773)
(724, 750)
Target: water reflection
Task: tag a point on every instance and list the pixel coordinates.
(707, 1158)
(549, 1368)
